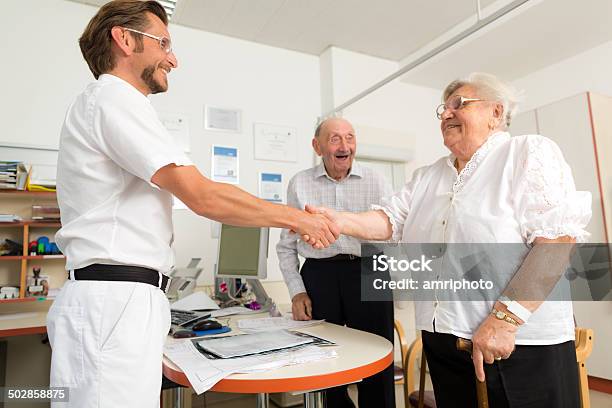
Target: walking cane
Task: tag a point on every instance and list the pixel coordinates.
(481, 386)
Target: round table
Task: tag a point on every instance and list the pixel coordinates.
(360, 355)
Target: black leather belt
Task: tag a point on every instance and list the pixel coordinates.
(340, 257)
(121, 273)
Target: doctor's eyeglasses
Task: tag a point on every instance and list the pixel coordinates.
(164, 42)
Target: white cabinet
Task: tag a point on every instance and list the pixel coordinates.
(582, 127)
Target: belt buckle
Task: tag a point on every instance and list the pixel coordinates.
(161, 285)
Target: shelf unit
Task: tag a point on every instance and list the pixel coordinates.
(22, 193)
(12, 203)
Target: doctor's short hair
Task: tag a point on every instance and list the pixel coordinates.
(489, 87)
(95, 43)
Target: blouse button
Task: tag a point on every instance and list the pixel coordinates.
(444, 222)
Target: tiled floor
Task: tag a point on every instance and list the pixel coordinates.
(213, 400)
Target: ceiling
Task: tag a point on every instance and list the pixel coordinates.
(390, 29)
(545, 32)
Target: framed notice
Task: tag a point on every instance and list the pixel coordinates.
(225, 164)
(178, 126)
(271, 187)
(222, 119)
(274, 142)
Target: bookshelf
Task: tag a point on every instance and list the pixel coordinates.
(14, 270)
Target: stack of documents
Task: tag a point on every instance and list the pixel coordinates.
(9, 218)
(42, 177)
(195, 301)
(266, 324)
(234, 310)
(203, 373)
(13, 175)
(247, 344)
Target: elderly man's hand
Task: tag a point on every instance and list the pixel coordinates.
(493, 339)
(332, 215)
(318, 230)
(301, 307)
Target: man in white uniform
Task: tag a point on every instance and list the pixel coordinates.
(117, 171)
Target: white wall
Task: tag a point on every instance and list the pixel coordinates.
(587, 71)
(44, 71)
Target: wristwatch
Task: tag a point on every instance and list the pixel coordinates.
(503, 316)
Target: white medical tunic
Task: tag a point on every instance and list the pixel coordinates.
(111, 144)
(512, 190)
(107, 337)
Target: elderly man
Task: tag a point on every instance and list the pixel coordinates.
(329, 285)
(117, 171)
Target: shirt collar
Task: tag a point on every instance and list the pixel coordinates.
(492, 141)
(477, 158)
(114, 78)
(356, 171)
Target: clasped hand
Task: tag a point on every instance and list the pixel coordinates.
(318, 227)
(332, 218)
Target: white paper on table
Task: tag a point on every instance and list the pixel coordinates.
(274, 323)
(195, 301)
(245, 344)
(204, 373)
(235, 310)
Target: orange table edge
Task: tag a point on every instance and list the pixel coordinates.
(255, 386)
(23, 331)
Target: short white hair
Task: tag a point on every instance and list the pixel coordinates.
(492, 88)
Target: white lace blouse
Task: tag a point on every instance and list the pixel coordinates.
(512, 190)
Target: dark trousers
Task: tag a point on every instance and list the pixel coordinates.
(533, 376)
(335, 291)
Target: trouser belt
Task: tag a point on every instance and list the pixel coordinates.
(121, 273)
(339, 257)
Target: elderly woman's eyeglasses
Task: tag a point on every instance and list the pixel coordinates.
(455, 103)
(164, 42)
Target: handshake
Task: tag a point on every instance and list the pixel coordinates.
(319, 226)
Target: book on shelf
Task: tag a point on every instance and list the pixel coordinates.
(13, 175)
(41, 177)
(45, 213)
(10, 218)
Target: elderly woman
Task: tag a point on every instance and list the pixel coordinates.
(492, 188)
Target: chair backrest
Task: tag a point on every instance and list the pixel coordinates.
(584, 347)
(401, 336)
(409, 366)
